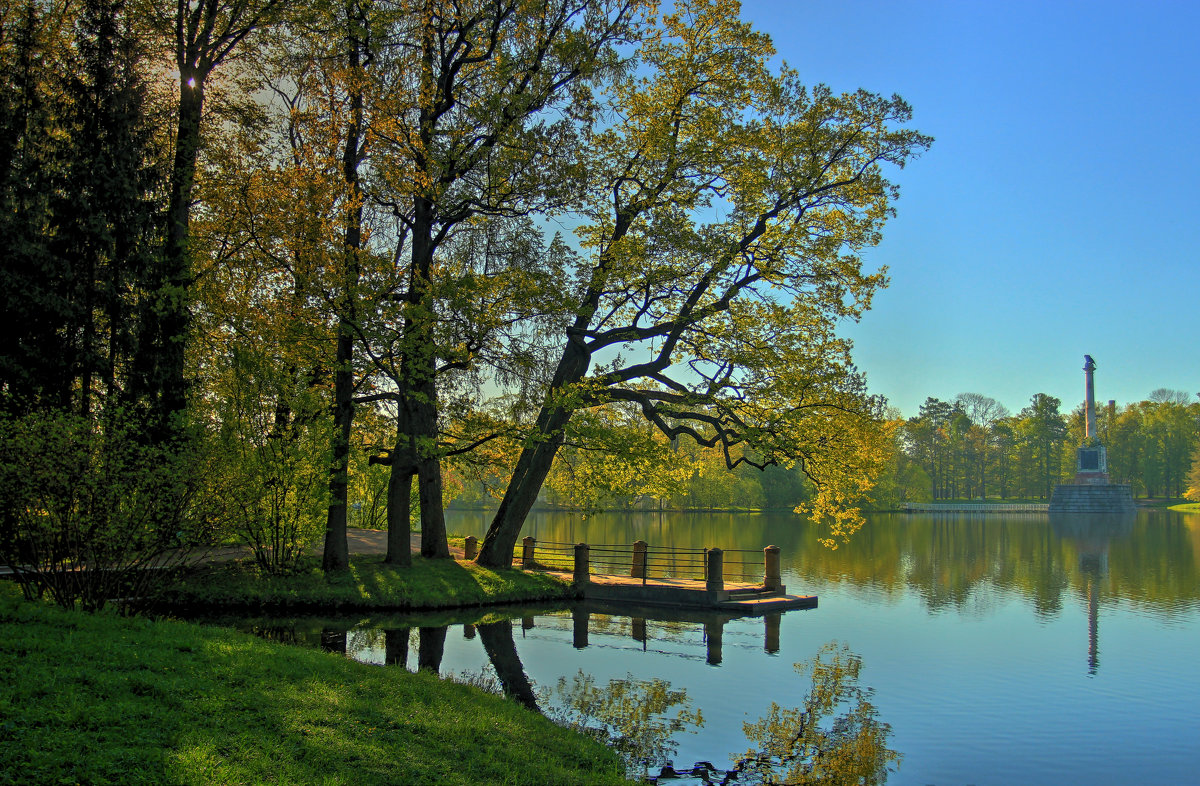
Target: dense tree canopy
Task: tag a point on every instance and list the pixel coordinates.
(968, 456)
(726, 207)
(246, 226)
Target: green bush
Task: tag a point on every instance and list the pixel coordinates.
(89, 511)
(270, 461)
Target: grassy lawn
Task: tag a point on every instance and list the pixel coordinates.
(1187, 507)
(368, 584)
(105, 699)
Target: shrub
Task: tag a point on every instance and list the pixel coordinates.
(89, 511)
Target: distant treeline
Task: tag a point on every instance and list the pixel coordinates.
(971, 447)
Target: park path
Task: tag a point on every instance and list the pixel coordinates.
(359, 541)
(374, 541)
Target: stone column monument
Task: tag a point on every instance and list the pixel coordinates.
(1091, 460)
(1092, 492)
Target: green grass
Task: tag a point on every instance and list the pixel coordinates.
(368, 584)
(1187, 507)
(104, 699)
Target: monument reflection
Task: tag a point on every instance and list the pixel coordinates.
(1092, 536)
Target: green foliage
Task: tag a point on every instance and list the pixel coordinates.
(811, 744)
(100, 699)
(79, 174)
(971, 448)
(1193, 478)
(719, 325)
(89, 511)
(270, 474)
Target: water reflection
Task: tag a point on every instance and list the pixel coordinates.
(640, 719)
(978, 632)
(951, 560)
(395, 647)
(834, 737)
(501, 650)
(1092, 537)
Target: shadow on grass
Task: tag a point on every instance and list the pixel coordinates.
(104, 699)
(369, 583)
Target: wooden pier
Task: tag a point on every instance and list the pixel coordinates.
(637, 574)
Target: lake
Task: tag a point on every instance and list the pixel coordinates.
(999, 649)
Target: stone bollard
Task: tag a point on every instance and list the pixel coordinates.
(714, 571)
(528, 544)
(771, 578)
(583, 568)
(471, 548)
(638, 570)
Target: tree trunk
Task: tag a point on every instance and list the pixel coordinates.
(399, 539)
(534, 464)
(160, 375)
(418, 401)
(434, 542)
(337, 552)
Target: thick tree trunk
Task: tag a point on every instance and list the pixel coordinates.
(337, 552)
(399, 540)
(434, 542)
(177, 279)
(419, 389)
(534, 464)
(159, 376)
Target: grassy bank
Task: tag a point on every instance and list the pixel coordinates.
(1187, 507)
(105, 699)
(368, 584)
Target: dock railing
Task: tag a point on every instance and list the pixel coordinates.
(640, 560)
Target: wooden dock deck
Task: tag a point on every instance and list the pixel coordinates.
(747, 600)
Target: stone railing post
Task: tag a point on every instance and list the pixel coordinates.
(471, 548)
(638, 570)
(528, 543)
(771, 578)
(583, 568)
(714, 570)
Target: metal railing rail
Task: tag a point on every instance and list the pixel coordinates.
(640, 560)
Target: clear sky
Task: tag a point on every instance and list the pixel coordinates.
(1057, 213)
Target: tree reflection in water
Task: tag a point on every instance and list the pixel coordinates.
(834, 737)
(809, 744)
(629, 715)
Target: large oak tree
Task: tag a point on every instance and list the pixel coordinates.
(723, 221)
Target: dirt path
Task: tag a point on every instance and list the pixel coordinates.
(359, 541)
(374, 541)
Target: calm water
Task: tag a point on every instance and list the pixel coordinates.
(1001, 650)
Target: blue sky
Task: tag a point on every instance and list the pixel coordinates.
(1057, 213)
